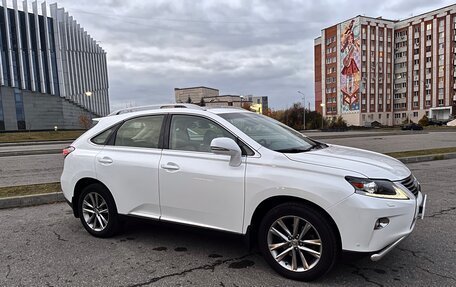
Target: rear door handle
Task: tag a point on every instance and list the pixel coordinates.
(105, 160)
(170, 166)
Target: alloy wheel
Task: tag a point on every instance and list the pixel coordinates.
(294, 243)
(95, 211)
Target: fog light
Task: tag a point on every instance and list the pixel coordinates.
(381, 223)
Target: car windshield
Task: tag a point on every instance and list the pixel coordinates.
(271, 133)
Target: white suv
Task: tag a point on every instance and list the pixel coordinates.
(237, 171)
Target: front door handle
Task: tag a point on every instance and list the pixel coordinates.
(170, 166)
(105, 160)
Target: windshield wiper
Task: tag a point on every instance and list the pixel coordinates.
(295, 150)
(317, 145)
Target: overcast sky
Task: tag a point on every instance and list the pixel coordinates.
(237, 46)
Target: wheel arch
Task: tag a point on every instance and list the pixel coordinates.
(79, 187)
(271, 202)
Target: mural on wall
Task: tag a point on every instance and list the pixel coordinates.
(350, 75)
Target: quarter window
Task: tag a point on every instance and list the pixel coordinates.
(193, 133)
(140, 132)
(102, 138)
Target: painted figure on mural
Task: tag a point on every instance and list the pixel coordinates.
(349, 46)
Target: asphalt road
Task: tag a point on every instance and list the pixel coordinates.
(47, 246)
(27, 147)
(403, 142)
(31, 169)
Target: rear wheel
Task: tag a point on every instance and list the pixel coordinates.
(298, 242)
(98, 211)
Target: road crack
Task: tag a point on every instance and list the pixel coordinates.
(415, 254)
(59, 237)
(442, 212)
(358, 272)
(184, 272)
(8, 272)
(437, 274)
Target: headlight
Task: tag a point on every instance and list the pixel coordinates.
(377, 188)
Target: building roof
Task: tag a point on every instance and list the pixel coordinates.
(198, 87)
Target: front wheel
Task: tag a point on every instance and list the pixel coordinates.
(98, 211)
(298, 242)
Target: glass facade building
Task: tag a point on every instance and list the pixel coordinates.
(47, 57)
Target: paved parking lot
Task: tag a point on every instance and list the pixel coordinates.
(47, 246)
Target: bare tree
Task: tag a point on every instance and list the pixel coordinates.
(85, 121)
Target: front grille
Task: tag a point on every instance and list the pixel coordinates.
(411, 184)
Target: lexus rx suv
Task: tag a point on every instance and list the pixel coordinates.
(301, 201)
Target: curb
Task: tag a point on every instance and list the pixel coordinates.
(30, 200)
(364, 135)
(423, 158)
(30, 152)
(27, 143)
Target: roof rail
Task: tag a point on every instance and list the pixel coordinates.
(155, 107)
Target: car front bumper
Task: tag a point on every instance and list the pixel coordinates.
(356, 218)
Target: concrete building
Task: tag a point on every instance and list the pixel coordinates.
(212, 98)
(258, 103)
(374, 69)
(52, 72)
(194, 94)
(225, 100)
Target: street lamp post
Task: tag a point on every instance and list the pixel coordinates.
(322, 107)
(304, 113)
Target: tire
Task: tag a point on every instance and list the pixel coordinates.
(318, 245)
(97, 210)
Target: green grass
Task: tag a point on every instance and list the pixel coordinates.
(39, 136)
(31, 189)
(433, 151)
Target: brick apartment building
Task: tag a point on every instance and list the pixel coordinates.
(374, 69)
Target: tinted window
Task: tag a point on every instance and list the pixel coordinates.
(194, 133)
(103, 137)
(140, 132)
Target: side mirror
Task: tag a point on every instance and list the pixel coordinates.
(227, 146)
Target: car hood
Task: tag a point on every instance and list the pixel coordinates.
(368, 163)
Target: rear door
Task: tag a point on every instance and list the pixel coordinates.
(129, 167)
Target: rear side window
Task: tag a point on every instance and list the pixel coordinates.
(103, 137)
(140, 132)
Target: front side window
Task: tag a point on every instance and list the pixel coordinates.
(270, 133)
(193, 133)
(140, 132)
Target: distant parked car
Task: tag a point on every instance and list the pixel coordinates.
(433, 122)
(412, 127)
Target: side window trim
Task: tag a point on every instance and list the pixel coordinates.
(113, 135)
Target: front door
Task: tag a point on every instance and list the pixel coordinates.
(196, 186)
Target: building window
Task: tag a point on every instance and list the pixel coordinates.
(20, 116)
(415, 114)
(2, 121)
(428, 27)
